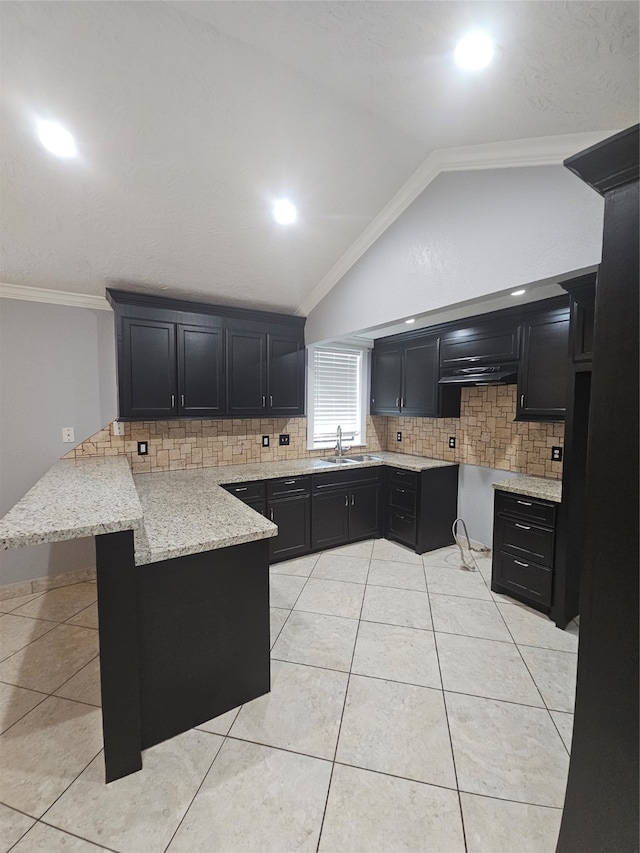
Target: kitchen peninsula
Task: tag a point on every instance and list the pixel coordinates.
(183, 584)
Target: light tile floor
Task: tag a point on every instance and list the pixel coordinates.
(411, 709)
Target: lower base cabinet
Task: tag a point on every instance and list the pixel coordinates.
(345, 507)
(293, 517)
(421, 507)
(524, 549)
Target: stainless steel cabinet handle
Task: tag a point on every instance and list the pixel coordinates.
(401, 516)
(346, 500)
(401, 491)
(182, 398)
(271, 514)
(242, 489)
(524, 503)
(402, 402)
(522, 401)
(353, 500)
(173, 400)
(289, 482)
(264, 401)
(522, 526)
(271, 399)
(524, 565)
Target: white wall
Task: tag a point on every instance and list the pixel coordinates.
(57, 369)
(475, 500)
(467, 236)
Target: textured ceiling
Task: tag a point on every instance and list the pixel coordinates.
(191, 118)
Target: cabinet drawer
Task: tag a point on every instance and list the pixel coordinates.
(401, 527)
(398, 477)
(288, 486)
(526, 579)
(340, 479)
(247, 491)
(403, 499)
(539, 512)
(524, 541)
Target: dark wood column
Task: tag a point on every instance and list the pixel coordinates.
(601, 804)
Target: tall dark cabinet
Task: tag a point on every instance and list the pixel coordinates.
(542, 374)
(601, 803)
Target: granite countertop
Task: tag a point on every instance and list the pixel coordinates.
(533, 487)
(75, 498)
(172, 514)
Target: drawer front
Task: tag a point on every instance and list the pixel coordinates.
(524, 541)
(403, 499)
(247, 491)
(340, 479)
(524, 578)
(288, 486)
(539, 512)
(398, 477)
(401, 527)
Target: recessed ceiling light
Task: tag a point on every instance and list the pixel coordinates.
(412, 320)
(474, 51)
(284, 212)
(518, 292)
(56, 139)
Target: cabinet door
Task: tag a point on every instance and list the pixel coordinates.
(542, 377)
(420, 378)
(200, 375)
(386, 388)
(330, 519)
(293, 517)
(364, 512)
(148, 387)
(487, 343)
(285, 375)
(246, 373)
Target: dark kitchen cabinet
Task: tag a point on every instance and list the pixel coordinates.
(492, 342)
(289, 506)
(180, 359)
(404, 380)
(421, 506)
(542, 375)
(252, 493)
(524, 539)
(345, 507)
(265, 374)
(148, 386)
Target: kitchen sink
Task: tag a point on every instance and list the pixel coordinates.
(344, 460)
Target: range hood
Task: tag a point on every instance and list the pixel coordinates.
(495, 374)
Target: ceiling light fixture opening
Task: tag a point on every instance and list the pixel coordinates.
(56, 139)
(518, 292)
(284, 212)
(412, 320)
(474, 51)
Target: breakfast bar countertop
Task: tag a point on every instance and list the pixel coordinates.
(533, 487)
(172, 514)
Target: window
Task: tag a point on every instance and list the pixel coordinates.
(336, 391)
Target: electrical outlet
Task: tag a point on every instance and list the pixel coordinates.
(284, 440)
(118, 428)
(452, 441)
(68, 435)
(398, 436)
(556, 454)
(143, 448)
(265, 441)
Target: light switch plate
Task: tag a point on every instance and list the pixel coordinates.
(265, 441)
(143, 448)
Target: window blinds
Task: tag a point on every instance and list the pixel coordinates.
(336, 394)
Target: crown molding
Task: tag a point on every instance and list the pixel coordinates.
(53, 297)
(540, 151)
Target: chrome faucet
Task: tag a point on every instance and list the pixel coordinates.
(339, 448)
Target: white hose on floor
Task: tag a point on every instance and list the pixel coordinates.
(464, 563)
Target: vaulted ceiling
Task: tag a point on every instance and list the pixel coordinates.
(192, 117)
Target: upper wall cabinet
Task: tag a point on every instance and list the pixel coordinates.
(542, 374)
(179, 359)
(480, 344)
(265, 374)
(404, 380)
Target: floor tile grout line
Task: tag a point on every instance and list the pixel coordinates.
(35, 639)
(186, 811)
(446, 716)
(344, 705)
(77, 672)
(62, 793)
(99, 845)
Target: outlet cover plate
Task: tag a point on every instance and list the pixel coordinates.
(284, 440)
(556, 454)
(452, 441)
(398, 436)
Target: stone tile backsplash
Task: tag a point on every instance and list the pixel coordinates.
(486, 435)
